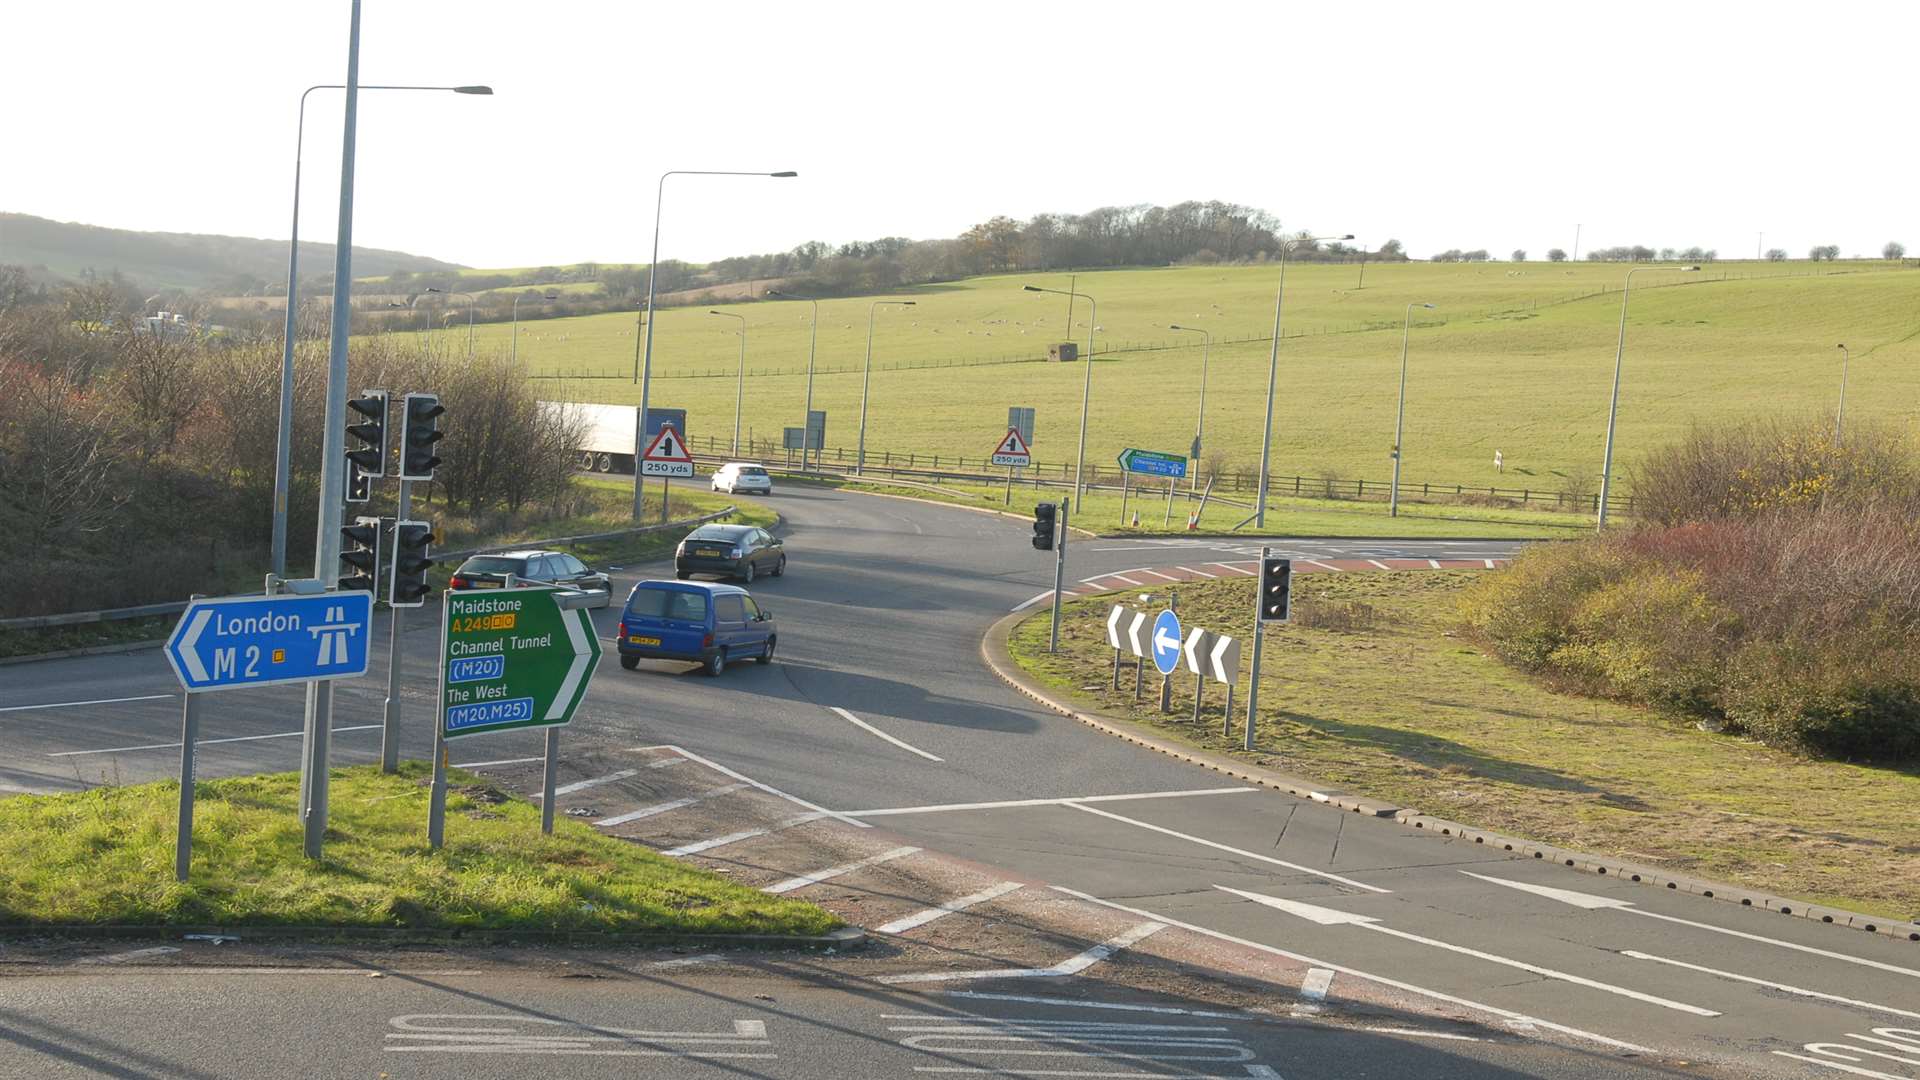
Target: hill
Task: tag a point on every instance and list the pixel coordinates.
(228, 264)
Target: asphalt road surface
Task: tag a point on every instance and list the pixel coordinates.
(880, 709)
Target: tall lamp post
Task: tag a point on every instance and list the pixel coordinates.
(813, 340)
(469, 297)
(282, 471)
(516, 321)
(1613, 407)
(1086, 389)
(860, 454)
(740, 386)
(1273, 376)
(1199, 425)
(653, 267)
(1400, 414)
(1840, 418)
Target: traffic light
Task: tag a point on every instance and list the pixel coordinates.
(359, 485)
(1276, 589)
(1043, 518)
(371, 456)
(360, 554)
(408, 586)
(418, 432)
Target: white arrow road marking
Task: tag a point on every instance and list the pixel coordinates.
(1133, 632)
(1203, 842)
(582, 656)
(871, 730)
(831, 872)
(1330, 917)
(1196, 638)
(1782, 987)
(1588, 900)
(1071, 966)
(961, 903)
(188, 655)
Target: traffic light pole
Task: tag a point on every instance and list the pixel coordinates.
(390, 723)
(1253, 678)
(1059, 576)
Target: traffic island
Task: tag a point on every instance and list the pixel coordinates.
(102, 861)
(1369, 690)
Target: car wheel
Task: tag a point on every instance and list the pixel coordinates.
(629, 662)
(605, 463)
(766, 653)
(780, 568)
(682, 574)
(746, 571)
(715, 664)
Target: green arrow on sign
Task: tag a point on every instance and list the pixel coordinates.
(512, 658)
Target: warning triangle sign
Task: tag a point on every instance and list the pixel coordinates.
(1012, 444)
(668, 446)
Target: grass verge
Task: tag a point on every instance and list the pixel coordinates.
(105, 857)
(1370, 691)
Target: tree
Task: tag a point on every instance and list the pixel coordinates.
(1776, 254)
(1828, 252)
(1519, 254)
(1556, 255)
(1894, 250)
(1392, 249)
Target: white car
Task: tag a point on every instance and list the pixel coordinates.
(738, 476)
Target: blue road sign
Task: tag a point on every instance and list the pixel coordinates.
(1153, 463)
(1167, 642)
(236, 641)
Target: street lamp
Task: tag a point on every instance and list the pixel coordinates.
(646, 356)
(1613, 408)
(1200, 425)
(516, 321)
(1400, 415)
(740, 388)
(813, 339)
(1840, 418)
(1273, 376)
(282, 471)
(860, 454)
(1086, 389)
(469, 297)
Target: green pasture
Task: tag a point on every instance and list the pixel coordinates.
(1515, 358)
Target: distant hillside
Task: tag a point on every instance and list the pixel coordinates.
(234, 265)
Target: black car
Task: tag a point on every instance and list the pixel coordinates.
(740, 551)
(544, 567)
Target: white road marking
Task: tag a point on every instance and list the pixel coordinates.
(687, 961)
(95, 701)
(17, 789)
(1903, 1039)
(1422, 1034)
(582, 785)
(1327, 875)
(1489, 563)
(137, 954)
(496, 1034)
(666, 762)
(211, 742)
(1315, 986)
(1122, 577)
(1071, 966)
(1327, 566)
(818, 810)
(1380, 564)
(1025, 604)
(1841, 1068)
(1197, 573)
(1332, 917)
(699, 846)
(1075, 1003)
(831, 872)
(1782, 987)
(483, 764)
(1434, 563)
(1592, 902)
(661, 808)
(362, 972)
(946, 808)
(1158, 574)
(1235, 569)
(962, 903)
(871, 730)
(1519, 1020)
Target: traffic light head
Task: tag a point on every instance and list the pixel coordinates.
(1276, 589)
(419, 430)
(360, 554)
(371, 432)
(1043, 520)
(408, 585)
(359, 485)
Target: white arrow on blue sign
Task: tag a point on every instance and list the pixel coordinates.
(231, 642)
(1167, 642)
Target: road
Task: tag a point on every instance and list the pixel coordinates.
(881, 710)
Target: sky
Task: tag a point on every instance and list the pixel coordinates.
(1471, 124)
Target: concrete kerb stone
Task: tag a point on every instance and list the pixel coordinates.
(999, 658)
(848, 937)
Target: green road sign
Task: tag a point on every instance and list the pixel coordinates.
(512, 658)
(1153, 463)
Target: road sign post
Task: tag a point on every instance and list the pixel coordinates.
(1059, 577)
(189, 735)
(390, 716)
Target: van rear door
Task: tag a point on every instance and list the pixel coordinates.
(675, 615)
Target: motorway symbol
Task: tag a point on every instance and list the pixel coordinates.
(512, 658)
(230, 642)
(667, 455)
(1166, 642)
(1012, 450)
(1153, 463)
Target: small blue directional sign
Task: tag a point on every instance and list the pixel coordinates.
(1153, 463)
(231, 642)
(1167, 641)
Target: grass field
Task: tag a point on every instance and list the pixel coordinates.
(1395, 707)
(1516, 358)
(105, 857)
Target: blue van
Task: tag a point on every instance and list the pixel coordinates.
(703, 622)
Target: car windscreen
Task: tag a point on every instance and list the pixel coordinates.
(726, 533)
(493, 564)
(668, 604)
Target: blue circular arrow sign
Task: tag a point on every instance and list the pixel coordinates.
(1166, 642)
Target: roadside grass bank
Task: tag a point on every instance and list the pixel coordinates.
(1369, 690)
(104, 857)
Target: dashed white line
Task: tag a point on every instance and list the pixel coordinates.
(925, 916)
(1073, 965)
(582, 785)
(831, 872)
(871, 730)
(212, 742)
(1202, 841)
(661, 808)
(95, 701)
